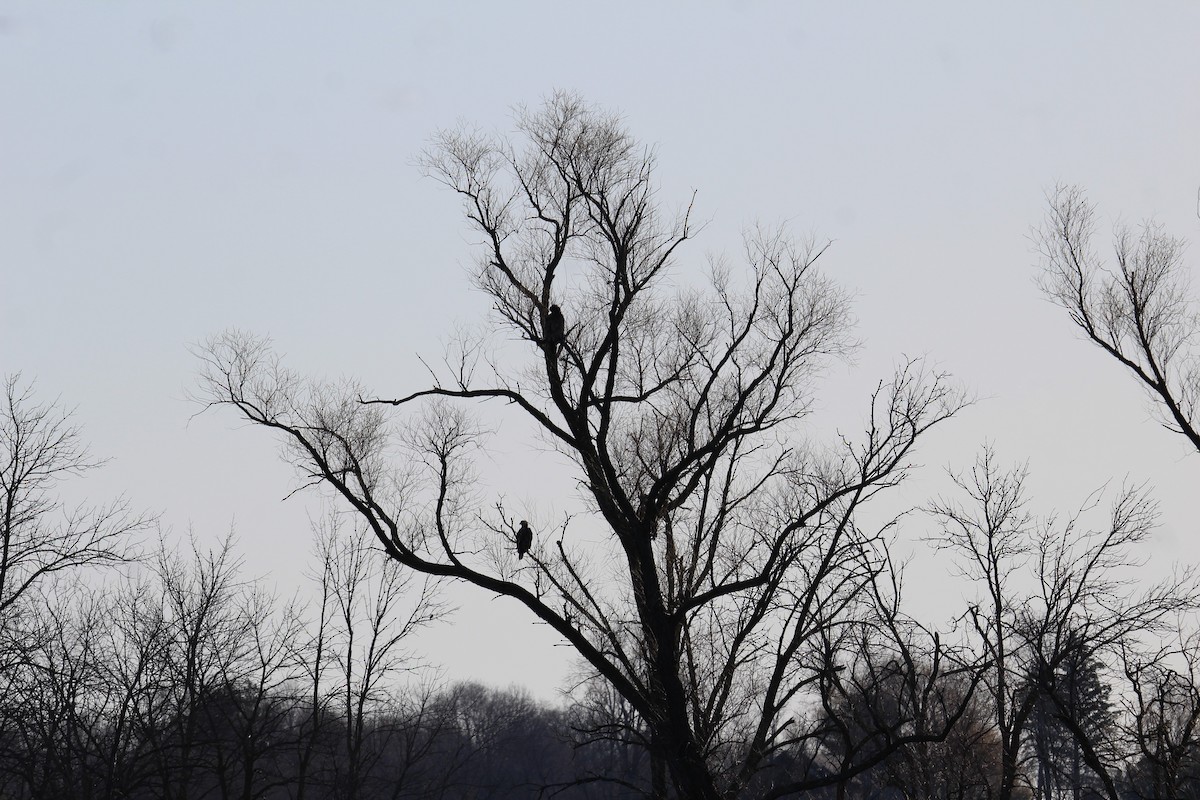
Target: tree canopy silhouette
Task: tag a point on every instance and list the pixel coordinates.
(735, 578)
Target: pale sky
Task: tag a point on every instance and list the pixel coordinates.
(170, 170)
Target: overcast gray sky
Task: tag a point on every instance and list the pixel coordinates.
(170, 170)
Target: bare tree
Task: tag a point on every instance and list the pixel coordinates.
(39, 447)
(205, 638)
(139, 701)
(315, 721)
(250, 713)
(612, 740)
(40, 539)
(1163, 704)
(1053, 594)
(731, 542)
(377, 609)
(1138, 310)
(893, 699)
(50, 700)
(879, 697)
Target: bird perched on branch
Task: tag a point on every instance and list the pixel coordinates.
(524, 539)
(556, 326)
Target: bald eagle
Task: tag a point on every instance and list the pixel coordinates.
(556, 327)
(524, 539)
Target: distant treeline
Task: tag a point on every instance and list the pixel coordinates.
(183, 680)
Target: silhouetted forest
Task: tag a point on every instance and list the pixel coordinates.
(736, 609)
(168, 673)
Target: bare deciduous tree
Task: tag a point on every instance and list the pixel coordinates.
(1163, 705)
(39, 447)
(1138, 310)
(377, 609)
(880, 698)
(1053, 593)
(611, 740)
(731, 547)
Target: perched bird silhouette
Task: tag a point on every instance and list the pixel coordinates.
(524, 539)
(556, 326)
